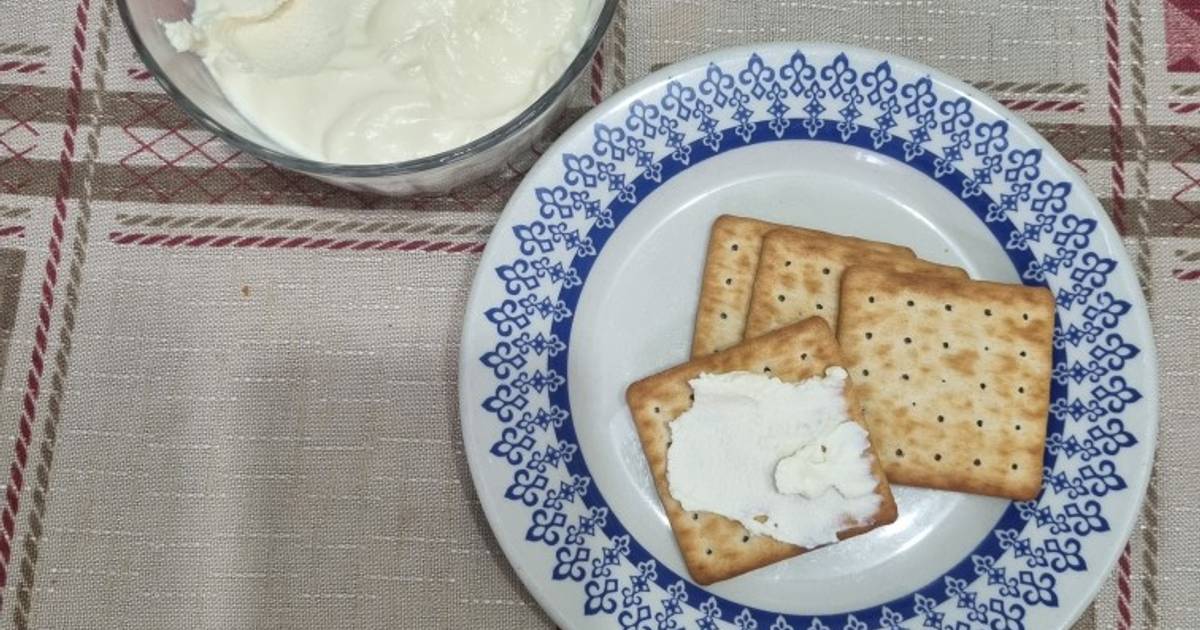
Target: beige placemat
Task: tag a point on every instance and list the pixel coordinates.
(229, 392)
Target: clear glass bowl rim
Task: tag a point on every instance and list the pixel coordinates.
(539, 107)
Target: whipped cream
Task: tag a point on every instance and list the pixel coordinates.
(783, 459)
(376, 81)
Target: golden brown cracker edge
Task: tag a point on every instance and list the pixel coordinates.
(799, 275)
(953, 376)
(730, 266)
(713, 547)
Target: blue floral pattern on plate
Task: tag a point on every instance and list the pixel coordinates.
(770, 96)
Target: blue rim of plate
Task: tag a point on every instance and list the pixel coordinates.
(1038, 211)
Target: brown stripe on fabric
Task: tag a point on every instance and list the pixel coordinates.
(33, 103)
(1142, 262)
(155, 111)
(1087, 621)
(41, 486)
(12, 267)
(1091, 142)
(1150, 530)
(620, 41)
(47, 104)
(1139, 210)
(26, 50)
(13, 212)
(1014, 87)
(130, 110)
(1185, 90)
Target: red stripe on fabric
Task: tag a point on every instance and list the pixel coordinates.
(1124, 590)
(151, 240)
(22, 67)
(296, 242)
(282, 242)
(198, 241)
(50, 277)
(598, 77)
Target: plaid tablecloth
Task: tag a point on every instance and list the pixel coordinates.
(229, 392)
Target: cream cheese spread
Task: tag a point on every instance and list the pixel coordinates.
(783, 459)
(376, 81)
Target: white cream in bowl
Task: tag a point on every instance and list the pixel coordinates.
(378, 81)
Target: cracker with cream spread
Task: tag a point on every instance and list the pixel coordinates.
(714, 547)
(953, 376)
(729, 270)
(800, 274)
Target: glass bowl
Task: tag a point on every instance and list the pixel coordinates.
(188, 82)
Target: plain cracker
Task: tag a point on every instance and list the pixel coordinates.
(954, 377)
(729, 270)
(714, 547)
(799, 275)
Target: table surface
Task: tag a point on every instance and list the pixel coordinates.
(229, 392)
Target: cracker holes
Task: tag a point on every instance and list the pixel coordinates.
(945, 345)
(728, 281)
(941, 418)
(692, 396)
(734, 247)
(908, 340)
(899, 452)
(866, 372)
(782, 298)
(803, 356)
(937, 457)
(911, 303)
(1024, 316)
(949, 308)
(979, 423)
(820, 307)
(724, 315)
(871, 299)
(695, 516)
(827, 271)
(1024, 354)
(983, 386)
(978, 462)
(904, 376)
(1021, 390)
(745, 539)
(1014, 466)
(987, 312)
(708, 552)
(914, 403)
(787, 263)
(1018, 427)
(767, 368)
(869, 335)
(987, 348)
(657, 410)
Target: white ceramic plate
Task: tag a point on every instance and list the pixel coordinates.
(590, 282)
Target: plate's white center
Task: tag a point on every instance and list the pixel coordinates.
(635, 318)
